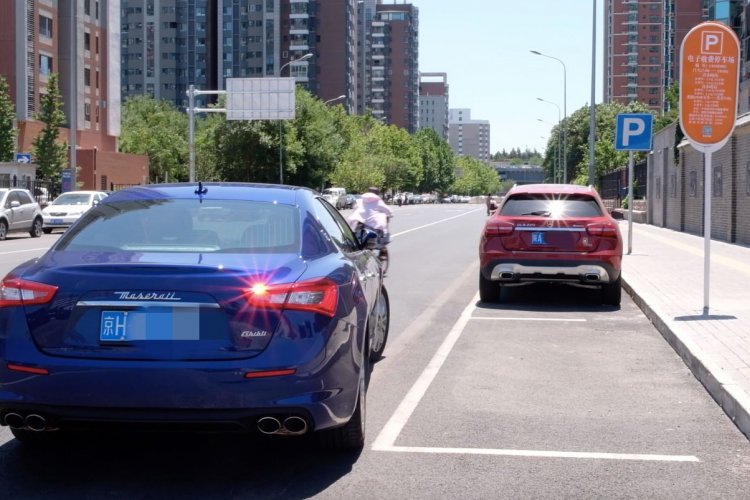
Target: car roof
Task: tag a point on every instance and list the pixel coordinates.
(214, 190)
(552, 189)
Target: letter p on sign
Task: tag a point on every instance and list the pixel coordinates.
(712, 42)
(633, 132)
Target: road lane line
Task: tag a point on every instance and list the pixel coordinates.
(387, 437)
(509, 318)
(546, 454)
(22, 251)
(436, 222)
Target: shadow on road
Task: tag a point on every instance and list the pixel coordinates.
(171, 466)
(549, 297)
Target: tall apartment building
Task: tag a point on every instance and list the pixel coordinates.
(433, 102)
(469, 137)
(642, 41)
(80, 41)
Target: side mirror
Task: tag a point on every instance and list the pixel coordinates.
(15, 204)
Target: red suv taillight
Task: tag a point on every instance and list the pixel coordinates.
(319, 296)
(18, 292)
(498, 228)
(602, 229)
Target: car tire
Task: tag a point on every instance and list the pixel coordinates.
(350, 436)
(36, 228)
(46, 230)
(612, 292)
(489, 291)
(3, 230)
(381, 317)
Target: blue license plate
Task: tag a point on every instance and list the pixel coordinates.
(56, 221)
(153, 323)
(537, 238)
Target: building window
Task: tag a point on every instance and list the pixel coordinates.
(87, 41)
(717, 184)
(45, 65)
(87, 77)
(45, 26)
(87, 7)
(103, 183)
(87, 112)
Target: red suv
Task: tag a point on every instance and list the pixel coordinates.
(558, 233)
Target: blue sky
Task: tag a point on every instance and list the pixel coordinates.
(484, 47)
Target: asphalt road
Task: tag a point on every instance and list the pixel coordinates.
(546, 395)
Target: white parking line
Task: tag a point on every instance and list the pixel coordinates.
(23, 251)
(546, 454)
(510, 318)
(436, 222)
(386, 440)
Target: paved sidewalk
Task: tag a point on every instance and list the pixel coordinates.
(664, 275)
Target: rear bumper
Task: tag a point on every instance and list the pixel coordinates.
(589, 271)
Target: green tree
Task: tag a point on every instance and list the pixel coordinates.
(438, 161)
(157, 129)
(474, 177)
(50, 155)
(7, 116)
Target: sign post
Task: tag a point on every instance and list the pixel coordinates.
(633, 132)
(709, 83)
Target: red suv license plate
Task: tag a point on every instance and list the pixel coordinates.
(537, 238)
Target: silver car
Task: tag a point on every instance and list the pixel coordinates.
(19, 212)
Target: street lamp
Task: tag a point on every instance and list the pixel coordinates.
(342, 96)
(565, 112)
(559, 150)
(281, 157)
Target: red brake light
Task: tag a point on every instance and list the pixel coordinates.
(498, 228)
(320, 295)
(17, 292)
(602, 229)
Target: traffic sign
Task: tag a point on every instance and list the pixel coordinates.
(24, 158)
(709, 83)
(633, 131)
(260, 98)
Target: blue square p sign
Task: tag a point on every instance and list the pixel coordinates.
(633, 131)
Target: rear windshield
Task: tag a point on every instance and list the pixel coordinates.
(230, 226)
(551, 205)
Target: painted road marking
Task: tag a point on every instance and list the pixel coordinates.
(509, 318)
(386, 440)
(545, 454)
(24, 251)
(436, 222)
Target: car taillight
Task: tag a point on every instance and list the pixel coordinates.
(18, 292)
(498, 228)
(319, 296)
(602, 229)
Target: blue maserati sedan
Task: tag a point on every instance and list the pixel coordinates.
(218, 306)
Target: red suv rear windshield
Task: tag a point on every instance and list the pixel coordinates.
(551, 205)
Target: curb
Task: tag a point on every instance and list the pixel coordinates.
(734, 402)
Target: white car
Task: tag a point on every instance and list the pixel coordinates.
(68, 207)
(19, 212)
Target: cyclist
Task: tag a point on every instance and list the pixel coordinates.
(372, 212)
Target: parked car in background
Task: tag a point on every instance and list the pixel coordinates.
(68, 208)
(335, 196)
(210, 307)
(19, 212)
(555, 233)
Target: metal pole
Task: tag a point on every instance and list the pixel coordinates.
(73, 93)
(191, 130)
(281, 168)
(592, 121)
(631, 170)
(565, 123)
(707, 230)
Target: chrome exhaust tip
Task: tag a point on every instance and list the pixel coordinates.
(36, 423)
(269, 425)
(14, 421)
(506, 276)
(592, 277)
(295, 425)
